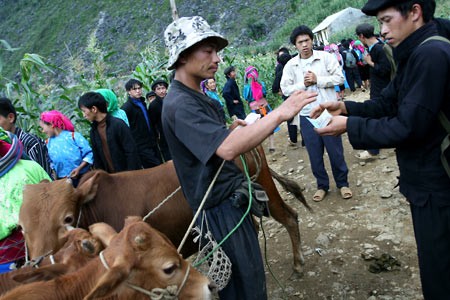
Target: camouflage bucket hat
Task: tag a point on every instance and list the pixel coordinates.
(185, 32)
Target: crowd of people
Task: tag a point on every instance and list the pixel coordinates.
(202, 130)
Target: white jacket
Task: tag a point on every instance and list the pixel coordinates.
(328, 72)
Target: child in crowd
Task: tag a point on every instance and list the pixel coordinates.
(69, 151)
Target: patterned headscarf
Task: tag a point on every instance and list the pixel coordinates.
(11, 150)
(256, 87)
(57, 119)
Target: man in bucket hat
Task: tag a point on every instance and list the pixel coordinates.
(200, 142)
(406, 116)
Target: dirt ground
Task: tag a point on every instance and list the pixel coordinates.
(342, 239)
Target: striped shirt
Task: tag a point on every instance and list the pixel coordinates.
(35, 148)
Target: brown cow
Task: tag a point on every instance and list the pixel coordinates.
(80, 247)
(137, 261)
(49, 207)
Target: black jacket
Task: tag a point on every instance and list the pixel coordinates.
(120, 143)
(406, 115)
(380, 73)
(154, 112)
(230, 92)
(144, 137)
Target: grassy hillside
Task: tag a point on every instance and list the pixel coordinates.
(65, 31)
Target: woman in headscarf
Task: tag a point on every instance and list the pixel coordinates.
(69, 151)
(15, 173)
(113, 107)
(255, 95)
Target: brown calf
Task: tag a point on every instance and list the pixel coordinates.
(80, 247)
(139, 256)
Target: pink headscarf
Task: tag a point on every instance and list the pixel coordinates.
(57, 119)
(256, 87)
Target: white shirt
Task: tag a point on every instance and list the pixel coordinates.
(328, 73)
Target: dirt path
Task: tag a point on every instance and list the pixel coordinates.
(340, 233)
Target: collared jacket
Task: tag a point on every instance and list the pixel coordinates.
(406, 116)
(121, 146)
(328, 73)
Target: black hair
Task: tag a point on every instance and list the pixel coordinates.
(228, 70)
(6, 108)
(428, 8)
(284, 50)
(365, 29)
(131, 83)
(301, 30)
(284, 58)
(345, 44)
(91, 99)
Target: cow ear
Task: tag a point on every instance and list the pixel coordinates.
(88, 189)
(42, 274)
(110, 281)
(132, 219)
(103, 232)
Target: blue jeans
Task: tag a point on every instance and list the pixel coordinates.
(315, 145)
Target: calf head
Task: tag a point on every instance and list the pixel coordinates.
(48, 210)
(142, 256)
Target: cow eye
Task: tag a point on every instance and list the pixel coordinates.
(68, 220)
(170, 269)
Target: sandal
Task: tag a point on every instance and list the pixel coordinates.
(319, 195)
(346, 192)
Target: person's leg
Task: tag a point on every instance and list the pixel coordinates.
(314, 146)
(335, 150)
(350, 79)
(292, 131)
(357, 77)
(432, 232)
(248, 279)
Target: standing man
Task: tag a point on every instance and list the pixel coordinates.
(113, 146)
(406, 117)
(321, 71)
(159, 87)
(33, 146)
(140, 124)
(380, 70)
(200, 142)
(232, 95)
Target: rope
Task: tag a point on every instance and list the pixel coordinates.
(168, 293)
(188, 231)
(240, 221)
(161, 204)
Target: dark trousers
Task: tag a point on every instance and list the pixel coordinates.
(352, 76)
(315, 145)
(292, 131)
(248, 280)
(432, 231)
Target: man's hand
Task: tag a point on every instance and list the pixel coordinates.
(237, 123)
(368, 60)
(335, 108)
(310, 78)
(296, 101)
(336, 127)
(235, 101)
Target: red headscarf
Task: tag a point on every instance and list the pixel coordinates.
(57, 119)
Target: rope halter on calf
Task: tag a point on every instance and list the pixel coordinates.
(171, 292)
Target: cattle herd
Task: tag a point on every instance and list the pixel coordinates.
(138, 262)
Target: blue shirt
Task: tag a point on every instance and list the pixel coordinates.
(67, 151)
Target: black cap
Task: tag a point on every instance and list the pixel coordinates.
(159, 81)
(372, 7)
(150, 94)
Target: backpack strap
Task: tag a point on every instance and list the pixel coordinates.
(445, 142)
(442, 118)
